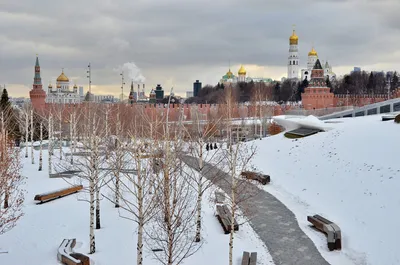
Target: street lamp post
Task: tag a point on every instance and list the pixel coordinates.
(122, 86)
(89, 75)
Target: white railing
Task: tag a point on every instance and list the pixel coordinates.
(318, 112)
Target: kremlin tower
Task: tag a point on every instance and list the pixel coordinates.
(37, 94)
(132, 95)
(317, 95)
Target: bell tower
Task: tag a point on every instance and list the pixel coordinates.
(293, 59)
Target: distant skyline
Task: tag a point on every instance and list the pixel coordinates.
(175, 42)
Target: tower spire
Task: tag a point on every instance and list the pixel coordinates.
(37, 80)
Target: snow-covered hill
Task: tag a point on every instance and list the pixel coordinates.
(351, 175)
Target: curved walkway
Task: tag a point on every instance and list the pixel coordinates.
(274, 223)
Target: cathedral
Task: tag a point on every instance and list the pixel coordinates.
(62, 93)
(293, 65)
(230, 78)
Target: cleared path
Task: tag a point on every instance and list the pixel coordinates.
(274, 223)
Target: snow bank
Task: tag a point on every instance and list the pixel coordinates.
(290, 122)
(350, 175)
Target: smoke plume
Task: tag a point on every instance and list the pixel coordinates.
(132, 72)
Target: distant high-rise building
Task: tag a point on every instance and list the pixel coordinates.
(356, 69)
(159, 92)
(196, 88)
(81, 91)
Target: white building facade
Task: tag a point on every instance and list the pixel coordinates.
(61, 93)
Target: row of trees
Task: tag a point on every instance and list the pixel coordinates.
(355, 83)
(141, 158)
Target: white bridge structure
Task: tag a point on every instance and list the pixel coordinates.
(388, 106)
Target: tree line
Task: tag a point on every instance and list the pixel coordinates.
(355, 83)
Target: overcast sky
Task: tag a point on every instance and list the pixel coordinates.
(175, 42)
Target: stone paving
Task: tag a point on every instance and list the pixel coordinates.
(274, 223)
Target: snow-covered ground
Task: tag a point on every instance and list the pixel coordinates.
(349, 174)
(39, 232)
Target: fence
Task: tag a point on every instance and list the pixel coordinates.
(317, 112)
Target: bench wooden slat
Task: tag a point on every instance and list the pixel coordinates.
(253, 258)
(332, 230)
(224, 216)
(68, 257)
(58, 193)
(245, 258)
(219, 197)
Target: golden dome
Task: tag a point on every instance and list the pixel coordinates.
(294, 39)
(58, 86)
(242, 71)
(75, 86)
(313, 52)
(229, 74)
(50, 86)
(62, 78)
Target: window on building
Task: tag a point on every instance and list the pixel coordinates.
(290, 62)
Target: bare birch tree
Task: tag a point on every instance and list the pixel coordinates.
(11, 193)
(89, 165)
(32, 128)
(171, 231)
(41, 147)
(238, 159)
(202, 133)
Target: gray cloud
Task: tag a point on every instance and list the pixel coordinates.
(182, 40)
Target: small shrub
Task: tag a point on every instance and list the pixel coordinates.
(397, 119)
(274, 128)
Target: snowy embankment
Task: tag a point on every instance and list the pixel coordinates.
(40, 231)
(349, 174)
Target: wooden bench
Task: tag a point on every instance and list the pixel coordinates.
(334, 235)
(263, 179)
(249, 259)
(224, 217)
(219, 197)
(66, 255)
(46, 197)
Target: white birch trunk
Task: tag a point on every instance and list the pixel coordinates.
(41, 148)
(92, 241)
(60, 127)
(119, 158)
(233, 206)
(92, 191)
(71, 136)
(26, 133)
(96, 173)
(199, 194)
(141, 217)
(74, 131)
(261, 125)
(49, 144)
(32, 130)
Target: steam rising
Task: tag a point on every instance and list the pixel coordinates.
(132, 72)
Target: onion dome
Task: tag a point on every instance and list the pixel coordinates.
(242, 71)
(62, 77)
(294, 39)
(313, 52)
